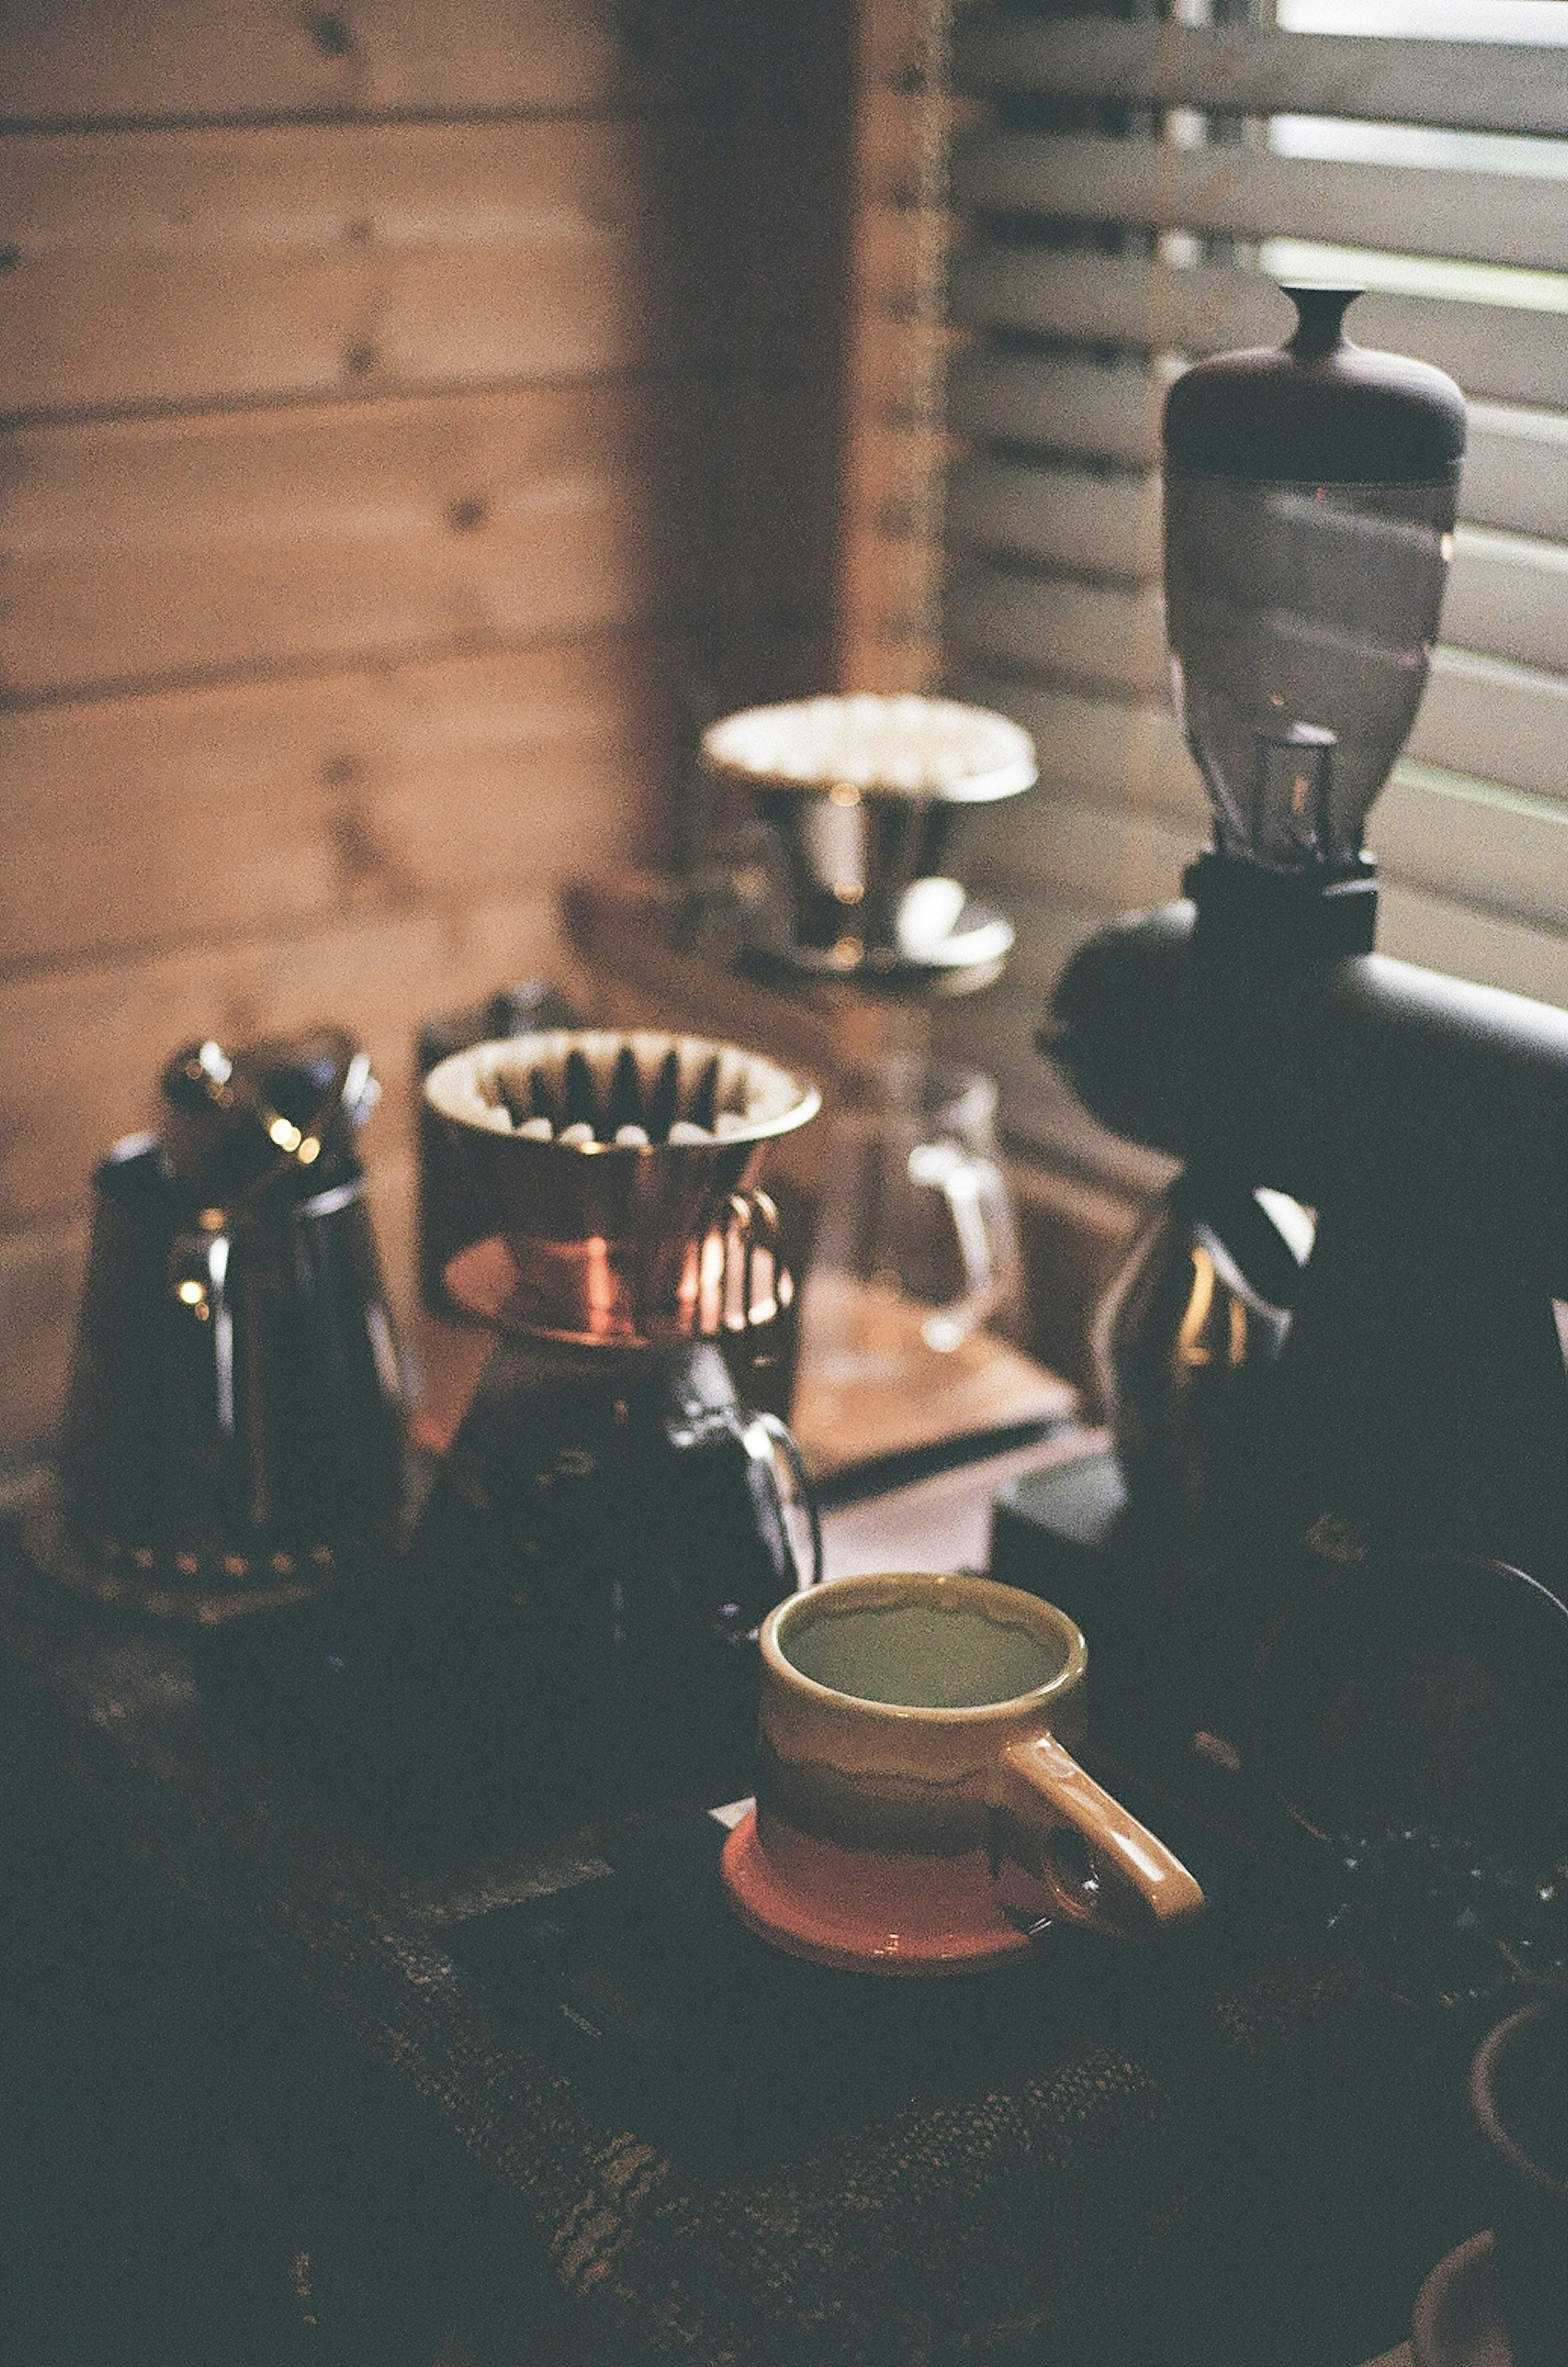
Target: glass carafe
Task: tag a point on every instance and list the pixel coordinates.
(917, 1250)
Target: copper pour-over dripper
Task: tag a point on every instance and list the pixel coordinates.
(608, 1172)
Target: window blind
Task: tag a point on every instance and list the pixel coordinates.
(1127, 192)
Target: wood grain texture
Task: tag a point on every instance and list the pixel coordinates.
(147, 820)
(189, 548)
(85, 1045)
(224, 265)
(221, 265)
(420, 418)
(81, 61)
(98, 62)
(883, 575)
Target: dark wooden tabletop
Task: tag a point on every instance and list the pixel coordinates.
(1228, 2149)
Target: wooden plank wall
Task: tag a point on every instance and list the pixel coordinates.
(419, 416)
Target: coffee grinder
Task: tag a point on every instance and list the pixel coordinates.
(1336, 1338)
(608, 1524)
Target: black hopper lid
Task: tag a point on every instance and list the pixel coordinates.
(1317, 409)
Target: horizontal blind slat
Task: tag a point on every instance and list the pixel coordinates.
(1503, 850)
(1505, 855)
(1096, 863)
(1059, 625)
(1516, 466)
(1055, 615)
(1511, 354)
(1250, 193)
(1497, 725)
(1071, 518)
(1508, 595)
(1247, 70)
(1102, 749)
(1445, 934)
(1496, 721)
(1096, 855)
(1061, 405)
(1500, 722)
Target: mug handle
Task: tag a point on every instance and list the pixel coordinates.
(1137, 1887)
(781, 1443)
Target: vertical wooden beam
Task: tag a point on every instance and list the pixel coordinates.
(894, 447)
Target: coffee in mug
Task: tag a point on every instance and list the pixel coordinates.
(916, 1734)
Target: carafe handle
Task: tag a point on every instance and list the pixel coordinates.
(981, 1209)
(779, 1441)
(753, 1226)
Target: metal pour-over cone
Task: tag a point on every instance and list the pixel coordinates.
(600, 1163)
(860, 793)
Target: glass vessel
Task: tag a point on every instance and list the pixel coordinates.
(1310, 497)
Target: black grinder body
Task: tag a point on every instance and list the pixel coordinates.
(1415, 1400)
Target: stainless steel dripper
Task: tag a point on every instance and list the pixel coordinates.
(859, 794)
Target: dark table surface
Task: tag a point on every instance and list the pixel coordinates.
(282, 2088)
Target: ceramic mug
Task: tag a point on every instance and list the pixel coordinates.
(919, 1807)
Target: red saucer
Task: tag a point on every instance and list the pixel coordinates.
(873, 1920)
